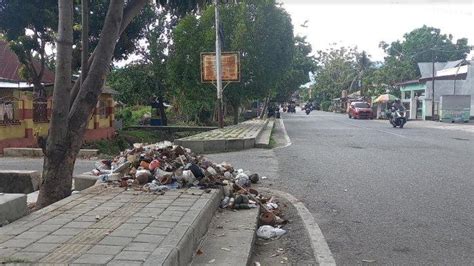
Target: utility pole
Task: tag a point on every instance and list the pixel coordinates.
(432, 85)
(219, 70)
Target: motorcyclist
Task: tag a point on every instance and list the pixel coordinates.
(397, 105)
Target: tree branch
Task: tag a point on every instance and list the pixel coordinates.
(130, 11)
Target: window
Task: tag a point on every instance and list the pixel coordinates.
(102, 112)
(40, 110)
(10, 111)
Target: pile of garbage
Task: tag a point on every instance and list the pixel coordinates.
(163, 166)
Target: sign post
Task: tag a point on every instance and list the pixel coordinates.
(228, 65)
(219, 70)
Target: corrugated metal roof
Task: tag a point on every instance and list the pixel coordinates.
(426, 68)
(452, 64)
(9, 65)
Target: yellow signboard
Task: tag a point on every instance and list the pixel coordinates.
(230, 67)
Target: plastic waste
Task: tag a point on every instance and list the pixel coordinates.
(254, 178)
(153, 187)
(268, 232)
(228, 175)
(242, 180)
(225, 202)
(153, 165)
(211, 171)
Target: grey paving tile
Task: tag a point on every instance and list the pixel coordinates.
(67, 231)
(133, 255)
(105, 249)
(28, 256)
(125, 263)
(18, 243)
(32, 235)
(163, 224)
(125, 232)
(168, 218)
(156, 231)
(116, 241)
(46, 227)
(78, 224)
(156, 239)
(132, 226)
(55, 239)
(141, 246)
(41, 247)
(94, 259)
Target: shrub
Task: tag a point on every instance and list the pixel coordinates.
(325, 105)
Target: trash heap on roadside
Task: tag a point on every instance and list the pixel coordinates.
(163, 166)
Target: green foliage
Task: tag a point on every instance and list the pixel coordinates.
(128, 43)
(338, 70)
(134, 83)
(260, 30)
(325, 105)
(132, 115)
(420, 45)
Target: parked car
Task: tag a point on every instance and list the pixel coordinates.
(360, 110)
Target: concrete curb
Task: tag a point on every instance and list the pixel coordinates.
(320, 247)
(263, 138)
(221, 145)
(199, 223)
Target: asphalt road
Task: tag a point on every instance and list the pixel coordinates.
(380, 195)
(393, 196)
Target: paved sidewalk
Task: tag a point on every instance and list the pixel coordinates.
(108, 225)
(236, 137)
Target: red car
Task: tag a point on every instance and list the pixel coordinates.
(360, 110)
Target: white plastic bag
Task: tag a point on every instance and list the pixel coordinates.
(268, 231)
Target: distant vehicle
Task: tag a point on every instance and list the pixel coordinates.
(360, 110)
(398, 117)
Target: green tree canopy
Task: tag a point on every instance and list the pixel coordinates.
(260, 30)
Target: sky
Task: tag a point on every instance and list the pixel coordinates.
(368, 22)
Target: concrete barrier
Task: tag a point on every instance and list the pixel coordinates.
(12, 207)
(19, 181)
(84, 181)
(37, 152)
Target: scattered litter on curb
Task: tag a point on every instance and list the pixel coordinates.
(226, 249)
(212, 261)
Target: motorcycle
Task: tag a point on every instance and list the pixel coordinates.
(398, 118)
(307, 110)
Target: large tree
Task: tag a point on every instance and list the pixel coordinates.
(338, 70)
(29, 35)
(420, 45)
(72, 107)
(260, 30)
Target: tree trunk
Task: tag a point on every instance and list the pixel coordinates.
(58, 160)
(69, 122)
(265, 105)
(235, 113)
(161, 106)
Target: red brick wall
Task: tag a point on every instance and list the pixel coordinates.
(17, 143)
